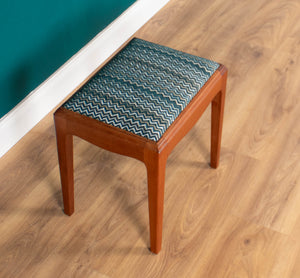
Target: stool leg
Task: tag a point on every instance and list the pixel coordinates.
(65, 157)
(217, 111)
(156, 182)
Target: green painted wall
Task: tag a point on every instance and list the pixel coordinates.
(37, 37)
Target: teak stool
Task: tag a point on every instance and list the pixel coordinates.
(141, 104)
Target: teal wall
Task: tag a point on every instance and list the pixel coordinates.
(37, 37)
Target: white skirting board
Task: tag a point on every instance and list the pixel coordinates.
(20, 120)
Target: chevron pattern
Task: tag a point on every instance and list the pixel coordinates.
(143, 89)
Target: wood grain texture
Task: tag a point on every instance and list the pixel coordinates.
(241, 220)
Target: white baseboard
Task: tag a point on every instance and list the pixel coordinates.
(20, 120)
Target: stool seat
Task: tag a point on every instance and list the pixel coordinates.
(143, 89)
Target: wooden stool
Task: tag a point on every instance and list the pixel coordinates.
(141, 104)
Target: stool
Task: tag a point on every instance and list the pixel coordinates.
(141, 104)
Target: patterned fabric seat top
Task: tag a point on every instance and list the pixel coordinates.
(143, 88)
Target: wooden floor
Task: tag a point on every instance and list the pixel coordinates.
(241, 220)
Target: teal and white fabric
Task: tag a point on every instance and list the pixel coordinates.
(143, 88)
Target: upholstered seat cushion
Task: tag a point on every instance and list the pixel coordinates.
(143, 88)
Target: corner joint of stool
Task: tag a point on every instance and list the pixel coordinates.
(222, 69)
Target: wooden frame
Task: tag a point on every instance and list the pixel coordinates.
(153, 154)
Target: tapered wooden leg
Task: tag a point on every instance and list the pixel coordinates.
(65, 157)
(156, 181)
(217, 112)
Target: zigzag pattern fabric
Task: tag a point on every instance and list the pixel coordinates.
(143, 89)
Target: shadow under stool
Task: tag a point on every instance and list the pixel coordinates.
(141, 104)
